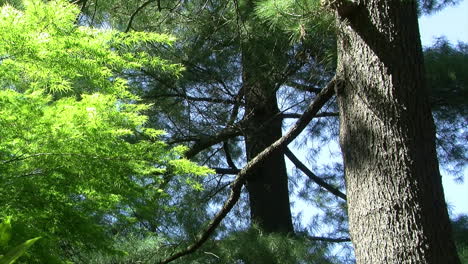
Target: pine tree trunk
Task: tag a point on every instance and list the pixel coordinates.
(397, 212)
(262, 58)
(268, 185)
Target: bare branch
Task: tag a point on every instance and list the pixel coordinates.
(232, 171)
(330, 239)
(304, 87)
(312, 176)
(227, 153)
(132, 17)
(203, 143)
(198, 99)
(296, 115)
(237, 184)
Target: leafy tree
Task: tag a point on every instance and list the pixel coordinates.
(244, 77)
(10, 255)
(76, 156)
(448, 85)
(224, 97)
(460, 234)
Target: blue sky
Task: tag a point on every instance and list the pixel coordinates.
(451, 22)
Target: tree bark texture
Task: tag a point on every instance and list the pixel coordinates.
(397, 212)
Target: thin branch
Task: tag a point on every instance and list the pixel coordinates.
(198, 99)
(203, 143)
(330, 239)
(132, 17)
(232, 171)
(236, 185)
(227, 153)
(304, 87)
(216, 192)
(296, 115)
(312, 176)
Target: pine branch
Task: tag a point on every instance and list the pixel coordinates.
(132, 17)
(205, 142)
(232, 171)
(312, 176)
(197, 99)
(236, 185)
(296, 115)
(330, 239)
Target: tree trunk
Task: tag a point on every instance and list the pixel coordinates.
(268, 185)
(397, 212)
(263, 57)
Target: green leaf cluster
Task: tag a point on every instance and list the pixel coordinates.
(302, 18)
(43, 49)
(460, 231)
(76, 154)
(12, 254)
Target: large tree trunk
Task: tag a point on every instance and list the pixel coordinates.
(397, 212)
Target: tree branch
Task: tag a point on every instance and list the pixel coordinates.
(236, 185)
(198, 99)
(132, 17)
(312, 176)
(344, 8)
(329, 239)
(296, 115)
(304, 87)
(227, 153)
(202, 143)
(232, 171)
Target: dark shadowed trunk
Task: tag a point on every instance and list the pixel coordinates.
(396, 206)
(263, 58)
(268, 185)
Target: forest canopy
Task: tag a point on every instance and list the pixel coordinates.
(158, 132)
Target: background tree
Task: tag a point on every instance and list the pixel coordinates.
(448, 87)
(195, 92)
(218, 63)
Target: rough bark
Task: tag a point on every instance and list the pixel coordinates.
(397, 212)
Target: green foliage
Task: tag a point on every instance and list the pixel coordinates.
(249, 247)
(252, 246)
(42, 48)
(306, 22)
(12, 254)
(131, 249)
(431, 6)
(460, 231)
(446, 68)
(299, 17)
(76, 155)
